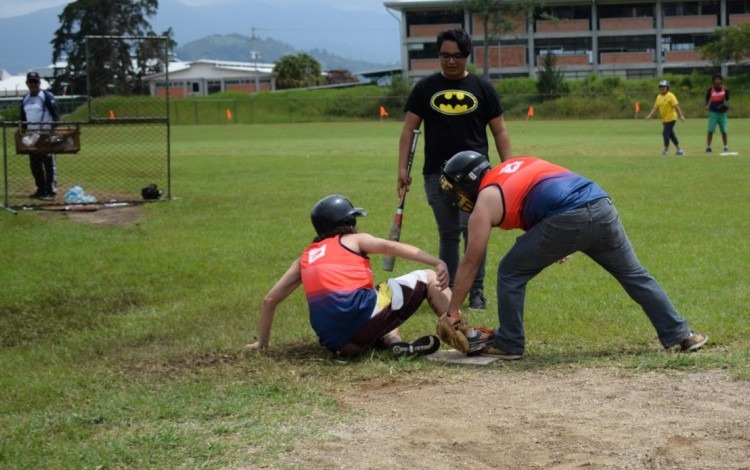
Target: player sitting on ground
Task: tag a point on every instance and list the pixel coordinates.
(347, 311)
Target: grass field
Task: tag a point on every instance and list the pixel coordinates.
(122, 347)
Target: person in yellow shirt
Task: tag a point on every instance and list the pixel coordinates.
(669, 108)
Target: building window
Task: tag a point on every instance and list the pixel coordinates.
(738, 7)
(428, 51)
(433, 18)
(626, 10)
(634, 74)
(562, 46)
(691, 8)
(572, 12)
(213, 86)
(627, 43)
(684, 42)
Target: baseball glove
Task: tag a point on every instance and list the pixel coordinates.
(722, 108)
(151, 192)
(451, 330)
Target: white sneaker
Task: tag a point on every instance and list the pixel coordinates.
(726, 148)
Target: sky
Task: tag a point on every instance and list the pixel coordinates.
(287, 21)
(11, 8)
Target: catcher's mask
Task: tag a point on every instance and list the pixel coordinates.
(151, 192)
(462, 174)
(334, 211)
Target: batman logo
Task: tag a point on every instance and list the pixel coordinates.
(454, 102)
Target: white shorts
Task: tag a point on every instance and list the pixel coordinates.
(392, 292)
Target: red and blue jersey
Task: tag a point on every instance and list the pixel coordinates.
(715, 98)
(340, 291)
(533, 189)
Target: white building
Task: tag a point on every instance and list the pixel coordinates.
(204, 77)
(12, 86)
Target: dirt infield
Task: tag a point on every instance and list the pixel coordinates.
(104, 216)
(587, 418)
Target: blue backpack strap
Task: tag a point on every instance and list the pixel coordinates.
(23, 108)
(49, 103)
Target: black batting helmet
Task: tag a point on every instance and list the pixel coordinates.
(334, 211)
(463, 173)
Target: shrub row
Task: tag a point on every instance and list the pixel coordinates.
(590, 98)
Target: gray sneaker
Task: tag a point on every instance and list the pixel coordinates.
(477, 300)
(501, 353)
(693, 342)
(480, 341)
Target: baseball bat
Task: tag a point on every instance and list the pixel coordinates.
(395, 233)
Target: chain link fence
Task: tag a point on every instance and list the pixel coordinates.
(107, 148)
(110, 161)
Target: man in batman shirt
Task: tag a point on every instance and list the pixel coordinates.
(456, 107)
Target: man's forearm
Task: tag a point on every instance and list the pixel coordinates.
(465, 275)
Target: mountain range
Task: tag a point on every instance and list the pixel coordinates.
(349, 39)
(236, 47)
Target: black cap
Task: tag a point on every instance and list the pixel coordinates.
(717, 75)
(32, 76)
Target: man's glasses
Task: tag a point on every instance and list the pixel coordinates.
(445, 56)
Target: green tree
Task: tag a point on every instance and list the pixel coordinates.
(551, 81)
(113, 63)
(498, 17)
(339, 76)
(728, 45)
(297, 71)
(150, 56)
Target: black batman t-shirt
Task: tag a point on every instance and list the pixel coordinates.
(455, 115)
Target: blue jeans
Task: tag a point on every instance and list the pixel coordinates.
(451, 224)
(594, 229)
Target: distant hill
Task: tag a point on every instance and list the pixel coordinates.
(236, 47)
(334, 37)
(20, 50)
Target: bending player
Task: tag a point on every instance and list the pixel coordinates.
(561, 212)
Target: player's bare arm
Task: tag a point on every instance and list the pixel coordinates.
(502, 138)
(487, 213)
(283, 288)
(679, 111)
(366, 243)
